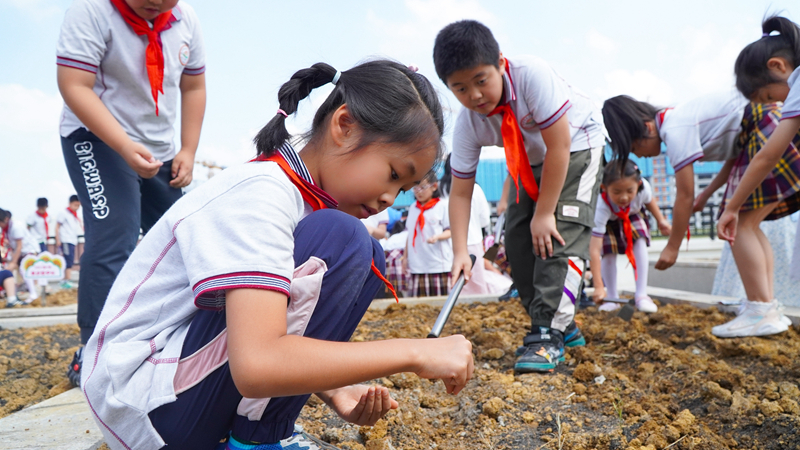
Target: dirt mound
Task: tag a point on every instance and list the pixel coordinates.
(660, 381)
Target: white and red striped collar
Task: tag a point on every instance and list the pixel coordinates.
(299, 167)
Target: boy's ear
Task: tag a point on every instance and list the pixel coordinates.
(501, 64)
(343, 128)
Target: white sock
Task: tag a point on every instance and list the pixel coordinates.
(640, 256)
(11, 299)
(608, 267)
(33, 290)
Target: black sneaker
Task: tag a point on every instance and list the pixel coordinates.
(543, 351)
(74, 371)
(512, 293)
(584, 301)
(572, 338)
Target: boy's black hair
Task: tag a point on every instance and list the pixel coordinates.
(390, 102)
(4, 214)
(751, 64)
(617, 170)
(41, 202)
(464, 45)
(73, 198)
(625, 119)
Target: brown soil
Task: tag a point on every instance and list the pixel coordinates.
(668, 383)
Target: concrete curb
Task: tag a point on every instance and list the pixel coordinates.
(37, 317)
(63, 422)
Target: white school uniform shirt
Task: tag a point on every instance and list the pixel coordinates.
(377, 219)
(69, 227)
(17, 231)
(705, 128)
(235, 230)
(37, 228)
(424, 257)
(791, 106)
(95, 38)
(603, 214)
(538, 97)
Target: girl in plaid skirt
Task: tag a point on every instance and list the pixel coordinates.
(765, 182)
(621, 227)
(428, 255)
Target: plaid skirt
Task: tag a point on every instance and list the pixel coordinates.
(782, 185)
(430, 284)
(614, 241)
(395, 274)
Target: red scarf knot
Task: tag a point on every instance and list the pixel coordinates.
(421, 218)
(154, 54)
(43, 215)
(627, 228)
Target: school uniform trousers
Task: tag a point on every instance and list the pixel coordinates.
(116, 204)
(548, 287)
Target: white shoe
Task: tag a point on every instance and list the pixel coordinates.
(300, 440)
(754, 319)
(609, 306)
(646, 304)
(784, 319)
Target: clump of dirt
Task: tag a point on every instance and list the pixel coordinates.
(660, 381)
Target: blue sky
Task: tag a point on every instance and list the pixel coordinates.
(664, 52)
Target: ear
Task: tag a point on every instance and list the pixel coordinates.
(651, 128)
(501, 63)
(342, 128)
(778, 64)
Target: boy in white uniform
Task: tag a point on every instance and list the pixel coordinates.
(20, 243)
(122, 66)
(553, 138)
(68, 228)
(38, 223)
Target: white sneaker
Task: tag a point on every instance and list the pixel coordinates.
(784, 319)
(609, 306)
(301, 440)
(646, 304)
(754, 319)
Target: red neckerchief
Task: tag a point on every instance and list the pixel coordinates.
(516, 157)
(421, 218)
(154, 60)
(46, 227)
(627, 228)
(316, 203)
(75, 214)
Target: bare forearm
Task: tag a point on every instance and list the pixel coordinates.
(652, 206)
(681, 213)
(764, 162)
(554, 172)
(193, 107)
(595, 249)
(460, 204)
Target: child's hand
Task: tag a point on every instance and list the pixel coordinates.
(665, 228)
(141, 160)
(461, 263)
(543, 231)
(667, 258)
(599, 294)
(448, 359)
(182, 167)
(700, 202)
(360, 404)
(432, 240)
(726, 227)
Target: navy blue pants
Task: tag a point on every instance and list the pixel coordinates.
(116, 203)
(204, 414)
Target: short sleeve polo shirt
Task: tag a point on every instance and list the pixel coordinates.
(705, 128)
(539, 97)
(95, 38)
(791, 107)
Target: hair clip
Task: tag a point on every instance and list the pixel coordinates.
(413, 68)
(280, 111)
(336, 78)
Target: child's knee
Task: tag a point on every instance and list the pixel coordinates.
(335, 233)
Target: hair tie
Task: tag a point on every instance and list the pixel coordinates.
(280, 111)
(763, 35)
(336, 78)
(413, 68)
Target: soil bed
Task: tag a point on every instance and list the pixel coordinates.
(660, 381)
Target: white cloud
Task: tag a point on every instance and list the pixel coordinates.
(639, 84)
(600, 42)
(29, 121)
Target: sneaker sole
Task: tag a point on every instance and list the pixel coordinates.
(580, 342)
(761, 331)
(533, 367)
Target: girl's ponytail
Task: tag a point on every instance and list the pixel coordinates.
(751, 68)
(274, 133)
(625, 119)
